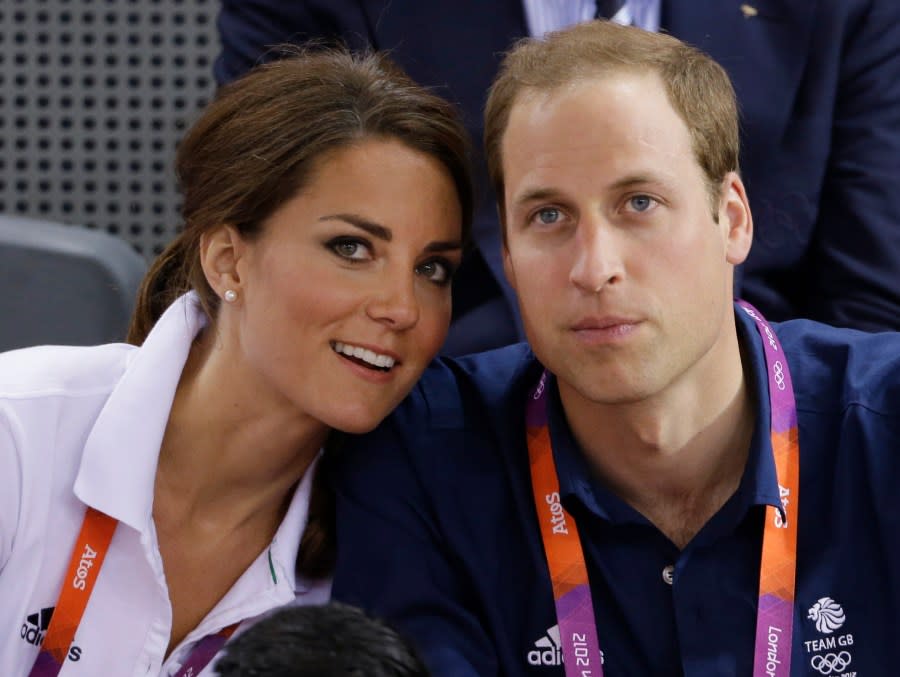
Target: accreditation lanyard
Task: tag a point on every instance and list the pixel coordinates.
(88, 554)
(565, 556)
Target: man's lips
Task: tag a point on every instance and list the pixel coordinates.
(604, 323)
(605, 329)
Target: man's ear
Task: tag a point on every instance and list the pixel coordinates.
(221, 250)
(735, 218)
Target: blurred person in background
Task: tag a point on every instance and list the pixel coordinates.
(332, 640)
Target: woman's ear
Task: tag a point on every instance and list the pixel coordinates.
(220, 251)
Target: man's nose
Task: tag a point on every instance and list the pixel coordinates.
(598, 258)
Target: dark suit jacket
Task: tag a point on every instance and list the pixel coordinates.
(818, 82)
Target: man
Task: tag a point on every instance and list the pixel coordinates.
(819, 91)
(667, 479)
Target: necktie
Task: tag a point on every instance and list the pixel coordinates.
(607, 9)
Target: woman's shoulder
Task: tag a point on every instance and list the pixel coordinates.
(53, 371)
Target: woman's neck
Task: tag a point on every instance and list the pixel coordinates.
(227, 453)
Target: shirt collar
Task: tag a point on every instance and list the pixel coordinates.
(759, 482)
(575, 476)
(759, 485)
(286, 543)
(118, 467)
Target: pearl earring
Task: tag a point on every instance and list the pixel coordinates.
(230, 295)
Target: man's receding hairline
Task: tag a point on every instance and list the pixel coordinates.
(584, 76)
(533, 92)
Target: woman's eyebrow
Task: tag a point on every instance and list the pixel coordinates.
(374, 229)
(385, 233)
(443, 246)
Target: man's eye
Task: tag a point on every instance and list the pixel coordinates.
(548, 215)
(641, 203)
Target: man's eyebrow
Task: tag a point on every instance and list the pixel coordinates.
(638, 180)
(535, 195)
(629, 181)
(385, 233)
(374, 229)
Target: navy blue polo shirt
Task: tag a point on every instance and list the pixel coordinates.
(438, 533)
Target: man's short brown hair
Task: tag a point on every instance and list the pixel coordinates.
(697, 87)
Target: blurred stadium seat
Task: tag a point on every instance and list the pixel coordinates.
(94, 97)
(64, 285)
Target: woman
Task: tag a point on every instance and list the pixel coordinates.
(326, 202)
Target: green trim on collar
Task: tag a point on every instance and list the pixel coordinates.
(272, 568)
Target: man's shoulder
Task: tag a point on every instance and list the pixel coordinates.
(836, 368)
(459, 392)
(463, 412)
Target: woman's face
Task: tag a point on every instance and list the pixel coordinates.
(345, 296)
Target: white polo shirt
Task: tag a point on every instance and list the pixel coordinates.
(83, 427)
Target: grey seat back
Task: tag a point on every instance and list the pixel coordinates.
(64, 284)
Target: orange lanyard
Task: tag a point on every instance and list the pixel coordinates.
(88, 554)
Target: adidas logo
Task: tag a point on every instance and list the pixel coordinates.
(35, 626)
(34, 629)
(548, 649)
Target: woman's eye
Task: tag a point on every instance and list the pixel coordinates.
(350, 248)
(641, 203)
(436, 271)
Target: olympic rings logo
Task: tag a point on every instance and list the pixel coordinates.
(540, 387)
(830, 663)
(778, 368)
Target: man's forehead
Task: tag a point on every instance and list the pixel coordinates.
(598, 137)
(602, 111)
(627, 112)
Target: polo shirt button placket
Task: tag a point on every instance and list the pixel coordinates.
(668, 574)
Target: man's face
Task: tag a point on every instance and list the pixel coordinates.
(623, 275)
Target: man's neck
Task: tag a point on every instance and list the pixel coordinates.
(676, 457)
